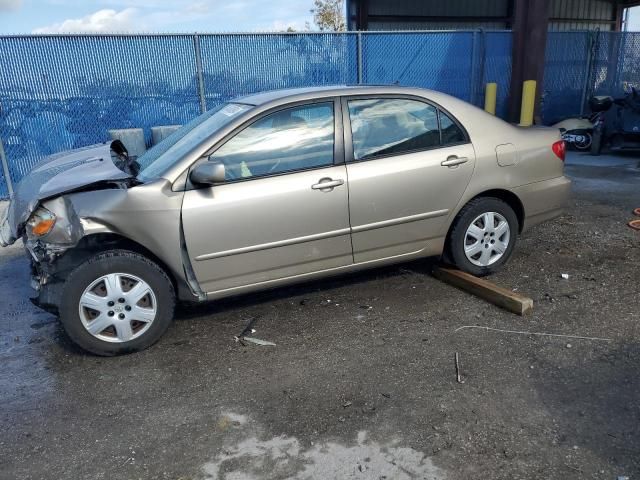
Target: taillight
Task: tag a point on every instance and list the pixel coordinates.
(560, 149)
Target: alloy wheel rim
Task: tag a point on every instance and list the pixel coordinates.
(118, 307)
(487, 239)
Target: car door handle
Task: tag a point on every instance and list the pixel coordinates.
(327, 184)
(454, 161)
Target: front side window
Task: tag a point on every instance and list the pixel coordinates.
(386, 126)
(296, 138)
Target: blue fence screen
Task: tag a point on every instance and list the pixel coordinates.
(63, 92)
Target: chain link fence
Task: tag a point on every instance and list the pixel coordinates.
(582, 64)
(63, 92)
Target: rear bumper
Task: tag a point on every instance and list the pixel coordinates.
(543, 200)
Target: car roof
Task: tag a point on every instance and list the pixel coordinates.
(307, 93)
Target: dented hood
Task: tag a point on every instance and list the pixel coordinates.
(55, 175)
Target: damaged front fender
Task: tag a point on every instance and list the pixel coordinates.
(145, 219)
(68, 229)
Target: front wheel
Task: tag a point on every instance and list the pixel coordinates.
(117, 302)
(483, 236)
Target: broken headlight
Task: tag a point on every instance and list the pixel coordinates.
(40, 222)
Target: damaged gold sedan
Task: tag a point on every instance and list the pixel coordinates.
(272, 189)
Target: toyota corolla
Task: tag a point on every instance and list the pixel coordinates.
(272, 189)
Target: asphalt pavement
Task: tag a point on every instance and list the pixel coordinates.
(361, 383)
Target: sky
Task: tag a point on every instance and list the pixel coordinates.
(633, 20)
(95, 16)
(71, 16)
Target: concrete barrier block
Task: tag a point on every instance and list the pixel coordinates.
(161, 132)
(132, 138)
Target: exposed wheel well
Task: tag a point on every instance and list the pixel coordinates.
(506, 196)
(90, 245)
(510, 199)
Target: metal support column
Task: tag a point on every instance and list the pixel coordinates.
(201, 93)
(530, 26)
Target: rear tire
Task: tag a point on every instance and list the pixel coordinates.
(483, 236)
(586, 144)
(117, 302)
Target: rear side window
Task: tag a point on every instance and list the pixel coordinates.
(392, 126)
(296, 138)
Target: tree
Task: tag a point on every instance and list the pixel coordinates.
(328, 15)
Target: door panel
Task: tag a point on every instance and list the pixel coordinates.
(267, 228)
(398, 203)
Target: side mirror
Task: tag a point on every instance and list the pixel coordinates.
(208, 173)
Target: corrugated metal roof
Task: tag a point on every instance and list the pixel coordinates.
(436, 25)
(564, 14)
(582, 15)
(467, 8)
(569, 26)
(582, 9)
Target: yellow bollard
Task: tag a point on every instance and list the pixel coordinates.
(528, 103)
(490, 96)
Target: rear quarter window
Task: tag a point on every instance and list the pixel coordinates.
(451, 131)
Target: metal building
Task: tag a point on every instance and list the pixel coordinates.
(530, 20)
(604, 15)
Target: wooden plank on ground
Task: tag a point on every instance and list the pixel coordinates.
(486, 290)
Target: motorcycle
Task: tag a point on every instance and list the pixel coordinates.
(619, 127)
(577, 132)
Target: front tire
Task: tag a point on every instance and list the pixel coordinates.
(117, 302)
(483, 236)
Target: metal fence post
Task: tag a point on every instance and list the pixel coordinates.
(359, 41)
(621, 44)
(473, 76)
(482, 66)
(588, 74)
(201, 93)
(5, 169)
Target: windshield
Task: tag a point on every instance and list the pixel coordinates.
(160, 157)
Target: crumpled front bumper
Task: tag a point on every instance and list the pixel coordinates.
(48, 294)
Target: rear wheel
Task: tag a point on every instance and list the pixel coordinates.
(584, 141)
(117, 302)
(483, 236)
